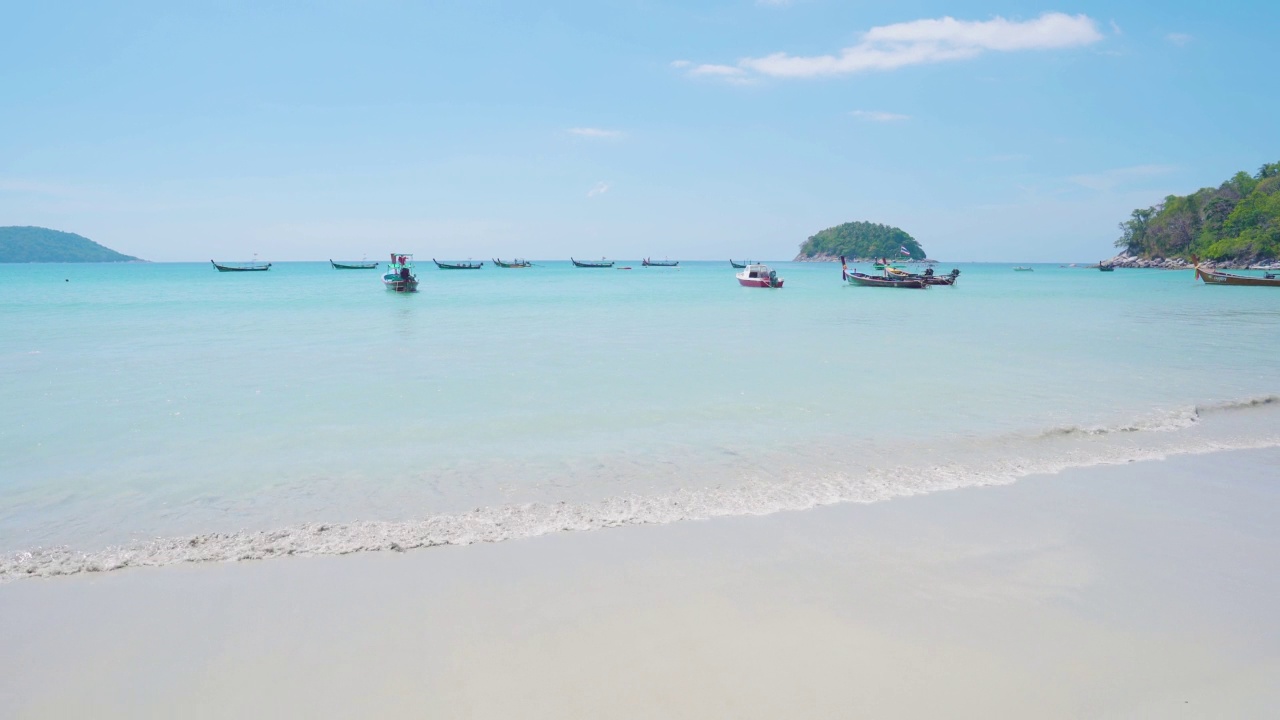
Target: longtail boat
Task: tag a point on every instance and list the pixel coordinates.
(517, 263)
(740, 266)
(243, 267)
(1217, 277)
(399, 275)
(468, 265)
(592, 263)
(1106, 268)
(354, 265)
(659, 263)
(892, 277)
(1024, 269)
(927, 276)
(761, 276)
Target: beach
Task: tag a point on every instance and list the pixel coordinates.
(1138, 590)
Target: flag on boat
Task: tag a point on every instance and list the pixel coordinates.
(903, 250)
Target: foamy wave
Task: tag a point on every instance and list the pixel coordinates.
(1165, 422)
(496, 524)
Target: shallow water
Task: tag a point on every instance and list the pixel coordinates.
(169, 400)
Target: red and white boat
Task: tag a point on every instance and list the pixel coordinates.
(759, 276)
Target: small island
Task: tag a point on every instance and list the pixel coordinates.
(1236, 224)
(26, 244)
(860, 241)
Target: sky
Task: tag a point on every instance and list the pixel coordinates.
(990, 131)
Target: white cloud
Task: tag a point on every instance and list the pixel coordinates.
(919, 42)
(1112, 179)
(599, 189)
(1179, 39)
(680, 64)
(877, 116)
(595, 132)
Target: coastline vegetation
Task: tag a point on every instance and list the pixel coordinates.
(27, 244)
(1238, 221)
(861, 240)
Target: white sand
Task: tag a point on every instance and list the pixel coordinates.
(1149, 590)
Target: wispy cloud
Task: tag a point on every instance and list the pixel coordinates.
(877, 116)
(591, 132)
(918, 42)
(1118, 177)
(600, 188)
(1179, 39)
(1115, 28)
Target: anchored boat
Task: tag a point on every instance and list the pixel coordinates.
(1217, 277)
(659, 263)
(517, 263)
(893, 278)
(399, 275)
(243, 267)
(468, 265)
(741, 265)
(760, 276)
(362, 265)
(592, 263)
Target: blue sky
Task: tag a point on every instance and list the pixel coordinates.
(1011, 131)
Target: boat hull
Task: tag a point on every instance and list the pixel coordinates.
(760, 282)
(1213, 277)
(872, 281)
(401, 286)
(600, 264)
(742, 266)
(354, 266)
(248, 268)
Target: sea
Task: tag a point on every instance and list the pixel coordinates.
(160, 413)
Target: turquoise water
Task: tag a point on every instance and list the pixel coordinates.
(169, 400)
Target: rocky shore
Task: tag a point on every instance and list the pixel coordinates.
(1125, 260)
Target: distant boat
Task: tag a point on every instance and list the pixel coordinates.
(761, 276)
(468, 265)
(517, 263)
(243, 267)
(1023, 269)
(740, 266)
(399, 275)
(592, 263)
(660, 263)
(1106, 268)
(362, 265)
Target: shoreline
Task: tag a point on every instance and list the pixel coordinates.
(1140, 589)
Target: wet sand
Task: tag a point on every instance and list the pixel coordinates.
(1144, 590)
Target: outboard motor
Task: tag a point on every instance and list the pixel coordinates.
(773, 277)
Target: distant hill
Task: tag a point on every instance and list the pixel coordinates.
(861, 240)
(1236, 222)
(42, 245)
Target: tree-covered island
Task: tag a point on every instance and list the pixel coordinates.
(1236, 223)
(861, 241)
(42, 245)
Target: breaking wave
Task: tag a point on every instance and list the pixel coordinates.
(1165, 422)
(509, 522)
